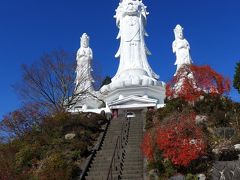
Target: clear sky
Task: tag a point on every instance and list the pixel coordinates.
(29, 28)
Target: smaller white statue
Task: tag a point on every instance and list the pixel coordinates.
(182, 48)
(84, 78)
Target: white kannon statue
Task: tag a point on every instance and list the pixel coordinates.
(182, 48)
(131, 16)
(84, 78)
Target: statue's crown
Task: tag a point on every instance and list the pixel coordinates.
(85, 36)
(130, 0)
(178, 28)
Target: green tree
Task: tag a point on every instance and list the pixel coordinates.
(106, 81)
(236, 81)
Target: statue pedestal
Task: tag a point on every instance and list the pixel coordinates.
(136, 97)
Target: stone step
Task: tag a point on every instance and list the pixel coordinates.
(137, 132)
(131, 153)
(116, 177)
(134, 140)
(104, 167)
(134, 144)
(135, 135)
(135, 165)
(132, 165)
(107, 156)
(100, 172)
(111, 146)
(105, 164)
(133, 160)
(132, 171)
(106, 149)
(132, 176)
(136, 152)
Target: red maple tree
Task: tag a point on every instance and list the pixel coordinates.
(192, 81)
(180, 140)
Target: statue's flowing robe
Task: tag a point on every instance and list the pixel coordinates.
(133, 51)
(182, 48)
(84, 78)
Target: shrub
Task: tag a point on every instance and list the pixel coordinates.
(180, 140)
(27, 155)
(163, 166)
(191, 177)
(79, 146)
(169, 169)
(54, 167)
(7, 165)
(221, 111)
(149, 119)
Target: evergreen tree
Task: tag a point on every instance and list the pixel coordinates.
(236, 81)
(106, 81)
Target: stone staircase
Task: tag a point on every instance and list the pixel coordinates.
(133, 161)
(123, 137)
(100, 167)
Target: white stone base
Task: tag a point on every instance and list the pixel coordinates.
(88, 103)
(136, 97)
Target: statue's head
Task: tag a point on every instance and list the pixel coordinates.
(132, 7)
(85, 40)
(178, 31)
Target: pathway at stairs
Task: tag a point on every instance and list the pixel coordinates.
(129, 163)
(133, 161)
(100, 166)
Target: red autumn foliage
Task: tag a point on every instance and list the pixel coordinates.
(147, 145)
(193, 81)
(180, 140)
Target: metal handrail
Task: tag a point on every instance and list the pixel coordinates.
(113, 161)
(118, 146)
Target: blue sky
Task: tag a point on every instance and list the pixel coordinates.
(30, 28)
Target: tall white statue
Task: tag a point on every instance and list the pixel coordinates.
(131, 17)
(182, 48)
(84, 78)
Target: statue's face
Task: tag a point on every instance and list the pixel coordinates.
(84, 42)
(180, 34)
(131, 7)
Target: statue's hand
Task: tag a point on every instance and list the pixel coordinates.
(182, 46)
(82, 53)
